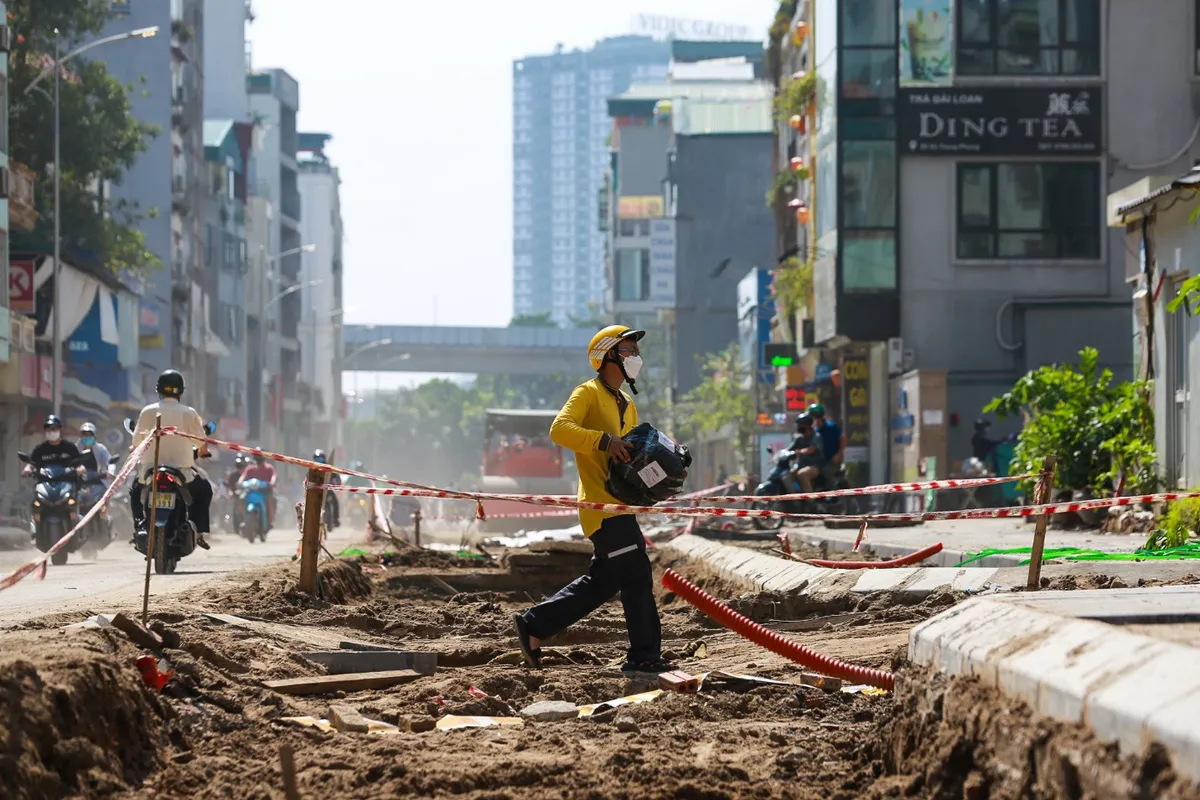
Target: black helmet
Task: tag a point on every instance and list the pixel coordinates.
(240, 459)
(982, 424)
(803, 421)
(319, 456)
(52, 421)
(170, 384)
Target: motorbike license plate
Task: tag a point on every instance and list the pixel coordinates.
(165, 500)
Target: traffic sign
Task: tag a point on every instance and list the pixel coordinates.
(21, 297)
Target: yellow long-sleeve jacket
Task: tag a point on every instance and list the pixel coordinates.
(581, 425)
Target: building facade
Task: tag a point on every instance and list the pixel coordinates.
(227, 59)
(560, 154)
(958, 190)
(227, 148)
(274, 103)
(321, 327)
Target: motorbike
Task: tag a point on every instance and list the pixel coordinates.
(252, 500)
(174, 533)
(783, 480)
(99, 532)
(56, 507)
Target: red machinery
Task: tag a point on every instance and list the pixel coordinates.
(519, 458)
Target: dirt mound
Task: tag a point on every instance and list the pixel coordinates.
(76, 720)
(274, 594)
(1070, 582)
(957, 738)
(426, 559)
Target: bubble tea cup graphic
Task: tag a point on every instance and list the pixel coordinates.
(928, 44)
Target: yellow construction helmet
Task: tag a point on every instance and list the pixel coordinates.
(607, 339)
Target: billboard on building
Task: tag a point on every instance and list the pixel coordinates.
(662, 262)
(640, 207)
(150, 335)
(856, 383)
(926, 43)
(1002, 121)
(755, 309)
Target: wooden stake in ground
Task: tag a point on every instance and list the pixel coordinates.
(416, 519)
(152, 529)
(287, 765)
(1041, 496)
(310, 543)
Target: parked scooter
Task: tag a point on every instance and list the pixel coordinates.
(56, 506)
(175, 535)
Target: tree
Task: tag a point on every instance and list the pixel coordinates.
(100, 137)
(1099, 430)
(539, 320)
(593, 318)
(720, 402)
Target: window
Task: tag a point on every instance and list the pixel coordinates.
(868, 74)
(1029, 211)
(868, 260)
(868, 23)
(635, 227)
(209, 233)
(632, 276)
(869, 184)
(1029, 37)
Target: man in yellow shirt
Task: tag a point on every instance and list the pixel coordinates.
(591, 424)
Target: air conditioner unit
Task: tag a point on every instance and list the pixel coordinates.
(895, 355)
(5, 38)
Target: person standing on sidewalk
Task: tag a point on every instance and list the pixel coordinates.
(591, 425)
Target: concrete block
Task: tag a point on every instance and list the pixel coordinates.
(883, 580)
(1120, 710)
(1175, 726)
(343, 662)
(973, 579)
(930, 579)
(347, 719)
(1056, 675)
(550, 711)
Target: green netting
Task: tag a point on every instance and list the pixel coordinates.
(1183, 553)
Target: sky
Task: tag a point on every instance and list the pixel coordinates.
(418, 98)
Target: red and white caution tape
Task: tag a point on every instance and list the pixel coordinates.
(885, 488)
(39, 564)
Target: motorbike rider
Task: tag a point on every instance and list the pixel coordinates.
(808, 451)
(261, 470)
(173, 451)
(833, 442)
(87, 441)
(983, 447)
(54, 450)
(331, 501)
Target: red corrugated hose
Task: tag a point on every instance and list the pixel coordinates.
(772, 641)
(903, 561)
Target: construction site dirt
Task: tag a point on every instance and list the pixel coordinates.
(80, 720)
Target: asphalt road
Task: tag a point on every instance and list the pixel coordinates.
(117, 576)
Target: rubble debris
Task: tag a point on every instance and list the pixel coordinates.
(342, 662)
(347, 719)
(170, 639)
(417, 724)
(136, 633)
(453, 722)
(679, 681)
(550, 711)
(203, 651)
(352, 682)
(627, 724)
(153, 674)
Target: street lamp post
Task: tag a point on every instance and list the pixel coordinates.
(56, 67)
(350, 359)
(265, 304)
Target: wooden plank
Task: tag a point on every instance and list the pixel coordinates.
(354, 682)
(296, 633)
(1041, 496)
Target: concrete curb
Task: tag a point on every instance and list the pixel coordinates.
(887, 552)
(773, 574)
(1128, 688)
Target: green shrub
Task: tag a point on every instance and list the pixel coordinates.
(1099, 430)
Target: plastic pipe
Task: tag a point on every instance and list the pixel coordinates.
(903, 561)
(793, 651)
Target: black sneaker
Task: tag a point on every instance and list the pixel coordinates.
(533, 655)
(656, 667)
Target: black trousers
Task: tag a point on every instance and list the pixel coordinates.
(202, 495)
(619, 564)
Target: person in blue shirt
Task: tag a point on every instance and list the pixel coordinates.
(833, 441)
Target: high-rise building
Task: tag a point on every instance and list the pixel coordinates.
(274, 101)
(560, 155)
(321, 327)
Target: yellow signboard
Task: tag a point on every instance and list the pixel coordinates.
(640, 207)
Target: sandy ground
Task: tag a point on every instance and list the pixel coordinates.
(116, 578)
(80, 722)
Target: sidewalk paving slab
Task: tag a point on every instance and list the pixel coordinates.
(1047, 650)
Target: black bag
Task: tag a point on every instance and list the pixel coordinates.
(656, 469)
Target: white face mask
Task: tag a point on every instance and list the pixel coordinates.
(53, 436)
(633, 365)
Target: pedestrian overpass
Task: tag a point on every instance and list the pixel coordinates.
(483, 351)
